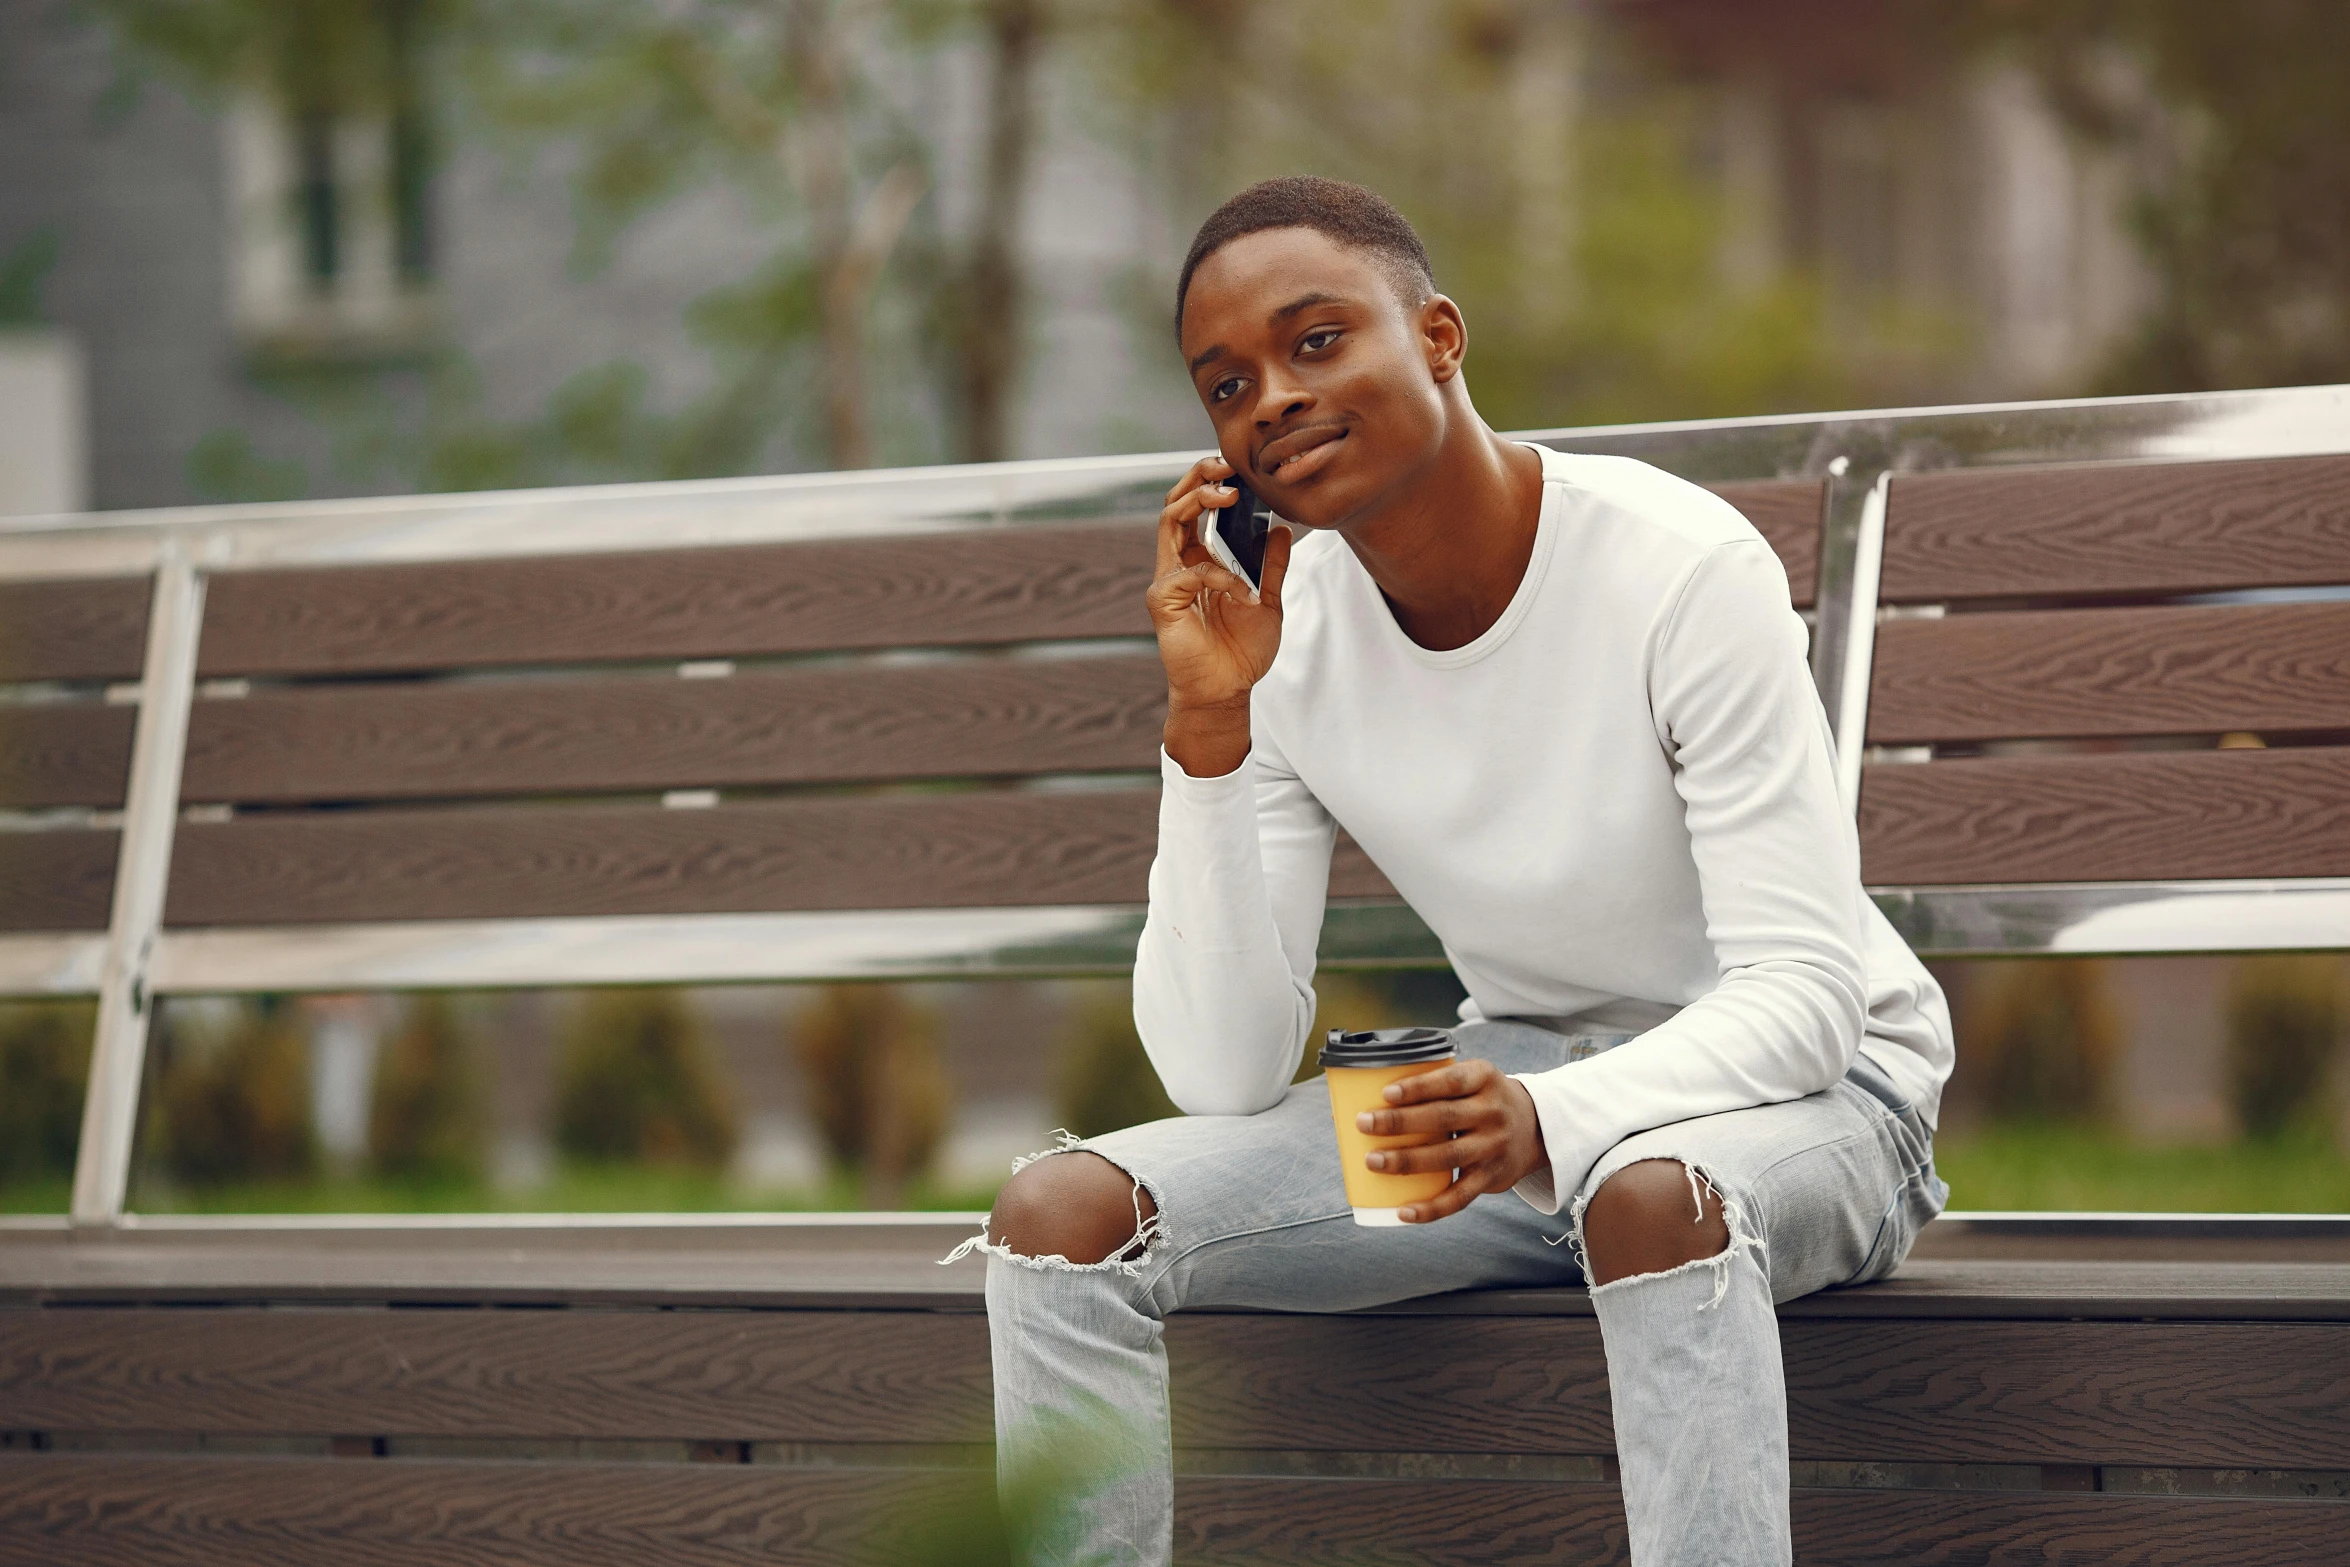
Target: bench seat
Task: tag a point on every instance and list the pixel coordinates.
(739, 1389)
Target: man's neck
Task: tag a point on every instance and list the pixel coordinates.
(1449, 552)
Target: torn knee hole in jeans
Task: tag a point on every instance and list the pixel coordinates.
(1701, 1185)
(1127, 1259)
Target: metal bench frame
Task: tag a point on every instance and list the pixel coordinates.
(1856, 456)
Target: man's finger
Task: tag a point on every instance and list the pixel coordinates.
(1278, 544)
(1453, 1153)
(1451, 1200)
(1428, 1120)
(1456, 1081)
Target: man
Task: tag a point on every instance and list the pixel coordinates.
(1562, 702)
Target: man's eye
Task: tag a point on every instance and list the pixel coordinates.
(1223, 389)
(1318, 340)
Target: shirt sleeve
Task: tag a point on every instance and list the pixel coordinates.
(1224, 975)
(1778, 866)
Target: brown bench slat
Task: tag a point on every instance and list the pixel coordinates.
(57, 880)
(2221, 1395)
(1484, 1523)
(976, 587)
(911, 851)
(2144, 816)
(1787, 512)
(2091, 529)
(2274, 668)
(100, 1510)
(64, 753)
(781, 1376)
(986, 717)
(78, 630)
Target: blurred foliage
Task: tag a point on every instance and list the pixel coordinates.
(636, 1082)
(2285, 1029)
(428, 1119)
(44, 1063)
(2238, 117)
(1564, 193)
(1104, 1080)
(231, 1095)
(879, 1097)
(2097, 1169)
(2040, 1042)
(24, 275)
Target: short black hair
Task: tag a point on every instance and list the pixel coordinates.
(1353, 216)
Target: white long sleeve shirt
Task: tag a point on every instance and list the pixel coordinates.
(1617, 806)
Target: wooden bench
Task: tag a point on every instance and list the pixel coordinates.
(446, 742)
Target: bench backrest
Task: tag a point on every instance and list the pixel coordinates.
(903, 724)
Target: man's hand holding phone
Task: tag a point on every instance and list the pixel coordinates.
(1217, 635)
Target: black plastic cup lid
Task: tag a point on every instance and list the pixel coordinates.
(1386, 1046)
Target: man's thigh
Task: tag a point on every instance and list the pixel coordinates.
(1833, 1186)
(1253, 1210)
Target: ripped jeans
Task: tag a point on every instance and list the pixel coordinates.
(1825, 1190)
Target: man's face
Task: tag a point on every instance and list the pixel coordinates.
(1318, 378)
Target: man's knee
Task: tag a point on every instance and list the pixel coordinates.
(1076, 1205)
(1650, 1217)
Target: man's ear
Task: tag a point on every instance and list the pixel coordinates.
(1445, 335)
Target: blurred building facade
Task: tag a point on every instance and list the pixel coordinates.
(271, 302)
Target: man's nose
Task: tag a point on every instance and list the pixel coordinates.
(1280, 400)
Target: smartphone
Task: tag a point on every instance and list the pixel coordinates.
(1235, 535)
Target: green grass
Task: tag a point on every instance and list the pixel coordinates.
(2000, 1167)
(2043, 1167)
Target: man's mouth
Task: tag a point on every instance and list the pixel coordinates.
(1300, 453)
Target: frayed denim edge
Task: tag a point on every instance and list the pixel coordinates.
(1742, 1237)
(1129, 1259)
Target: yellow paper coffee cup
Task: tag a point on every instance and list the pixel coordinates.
(1359, 1065)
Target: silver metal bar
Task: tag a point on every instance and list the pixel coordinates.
(717, 949)
(2121, 917)
(51, 965)
(914, 500)
(1851, 727)
(141, 873)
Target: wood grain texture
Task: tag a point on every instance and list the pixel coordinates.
(1787, 512)
(978, 587)
(64, 753)
(2271, 668)
(1416, 1384)
(1483, 1523)
(106, 1510)
(988, 717)
(786, 1376)
(62, 879)
(2221, 1395)
(953, 850)
(90, 1510)
(2216, 1395)
(2146, 816)
(2090, 530)
(922, 851)
(79, 630)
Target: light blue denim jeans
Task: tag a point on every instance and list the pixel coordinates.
(1821, 1191)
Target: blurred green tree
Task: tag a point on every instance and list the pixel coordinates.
(2239, 120)
(428, 1118)
(232, 1096)
(1104, 1080)
(44, 1063)
(2285, 1028)
(2041, 1043)
(636, 1082)
(869, 1056)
